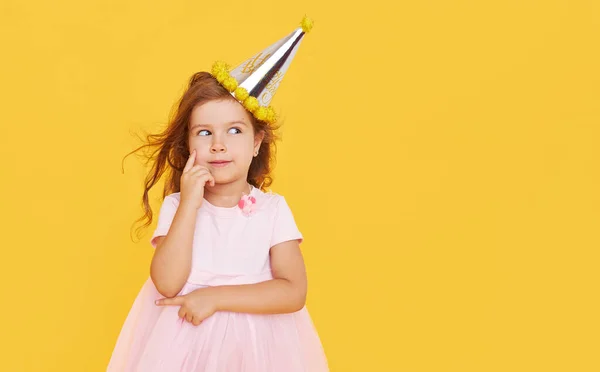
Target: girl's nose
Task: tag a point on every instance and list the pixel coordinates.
(217, 148)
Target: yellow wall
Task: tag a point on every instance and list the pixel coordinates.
(441, 158)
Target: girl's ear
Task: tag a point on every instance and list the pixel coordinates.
(258, 138)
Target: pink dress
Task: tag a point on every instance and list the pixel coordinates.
(229, 247)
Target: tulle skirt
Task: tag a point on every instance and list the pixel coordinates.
(154, 338)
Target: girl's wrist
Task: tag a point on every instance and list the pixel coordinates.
(216, 298)
(187, 208)
(211, 295)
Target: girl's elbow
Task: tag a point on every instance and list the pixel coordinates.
(298, 306)
(300, 301)
(165, 289)
(167, 293)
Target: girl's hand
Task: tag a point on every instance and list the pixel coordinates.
(193, 180)
(195, 306)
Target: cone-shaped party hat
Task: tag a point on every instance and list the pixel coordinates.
(255, 81)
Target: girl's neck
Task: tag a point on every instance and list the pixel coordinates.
(226, 195)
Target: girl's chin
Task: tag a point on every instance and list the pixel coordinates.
(224, 179)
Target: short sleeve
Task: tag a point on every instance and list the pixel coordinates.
(284, 226)
(165, 217)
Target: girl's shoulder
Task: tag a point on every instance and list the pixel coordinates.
(267, 199)
(174, 196)
(275, 204)
(172, 199)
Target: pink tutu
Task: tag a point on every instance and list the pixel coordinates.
(154, 338)
(229, 248)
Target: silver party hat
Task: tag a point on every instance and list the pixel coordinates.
(255, 81)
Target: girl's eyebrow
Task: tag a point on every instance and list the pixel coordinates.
(210, 125)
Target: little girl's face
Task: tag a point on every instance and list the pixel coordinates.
(222, 135)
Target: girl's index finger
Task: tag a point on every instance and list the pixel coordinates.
(170, 301)
(190, 161)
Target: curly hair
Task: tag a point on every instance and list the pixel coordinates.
(169, 149)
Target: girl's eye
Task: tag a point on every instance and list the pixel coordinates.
(205, 132)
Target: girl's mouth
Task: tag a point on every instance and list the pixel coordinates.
(219, 163)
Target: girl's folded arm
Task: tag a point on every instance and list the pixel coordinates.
(171, 263)
(285, 293)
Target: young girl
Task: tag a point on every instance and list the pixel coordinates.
(227, 284)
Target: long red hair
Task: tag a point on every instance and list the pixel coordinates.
(168, 150)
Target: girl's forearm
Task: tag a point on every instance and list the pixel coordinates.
(276, 296)
(171, 263)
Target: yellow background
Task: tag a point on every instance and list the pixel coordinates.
(441, 158)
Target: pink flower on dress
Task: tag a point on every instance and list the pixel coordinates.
(247, 204)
